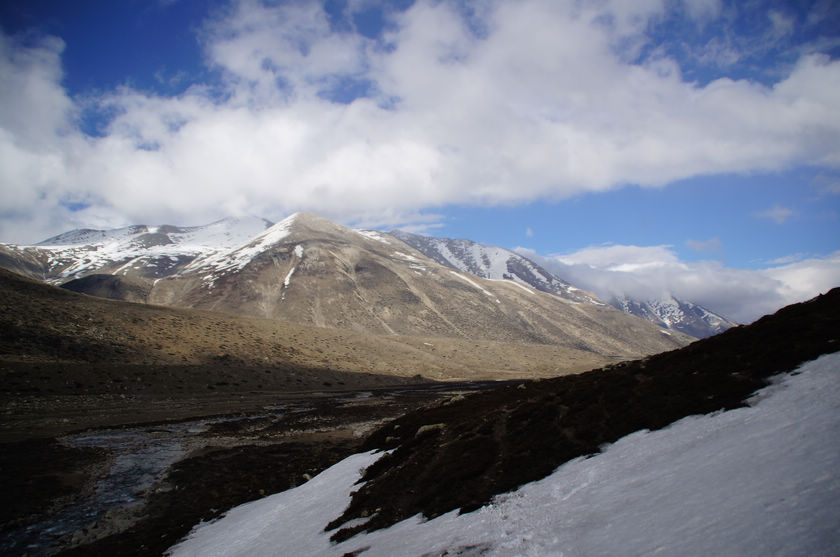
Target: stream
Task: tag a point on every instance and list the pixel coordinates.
(140, 457)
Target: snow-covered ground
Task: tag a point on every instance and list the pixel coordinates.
(760, 480)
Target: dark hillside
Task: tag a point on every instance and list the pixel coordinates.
(461, 453)
(113, 287)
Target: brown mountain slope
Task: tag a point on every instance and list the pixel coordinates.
(325, 274)
(495, 441)
(53, 340)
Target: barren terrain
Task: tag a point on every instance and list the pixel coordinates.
(209, 410)
(130, 348)
(123, 425)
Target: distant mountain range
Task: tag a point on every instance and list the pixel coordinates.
(498, 263)
(493, 263)
(672, 313)
(310, 270)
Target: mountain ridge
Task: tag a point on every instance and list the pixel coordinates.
(492, 262)
(673, 313)
(497, 263)
(309, 270)
(104, 343)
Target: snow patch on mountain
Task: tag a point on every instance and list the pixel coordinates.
(758, 480)
(299, 254)
(236, 259)
(374, 235)
(517, 284)
(491, 262)
(672, 313)
(156, 248)
(472, 282)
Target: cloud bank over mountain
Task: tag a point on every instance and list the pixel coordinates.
(498, 103)
(655, 272)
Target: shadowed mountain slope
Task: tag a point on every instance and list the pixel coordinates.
(54, 340)
(462, 453)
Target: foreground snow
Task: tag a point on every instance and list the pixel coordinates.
(762, 480)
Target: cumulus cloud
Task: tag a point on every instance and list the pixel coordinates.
(653, 272)
(510, 103)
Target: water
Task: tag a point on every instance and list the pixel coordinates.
(140, 458)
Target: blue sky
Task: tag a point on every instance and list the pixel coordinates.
(704, 132)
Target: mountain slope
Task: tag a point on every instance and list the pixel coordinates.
(54, 340)
(498, 263)
(491, 262)
(759, 480)
(309, 270)
(672, 313)
(460, 455)
(139, 251)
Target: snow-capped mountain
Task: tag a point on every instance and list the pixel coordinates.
(672, 313)
(138, 251)
(309, 270)
(498, 263)
(149, 254)
(492, 262)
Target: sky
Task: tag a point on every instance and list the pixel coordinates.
(612, 139)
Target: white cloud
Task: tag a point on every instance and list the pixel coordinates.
(783, 25)
(804, 279)
(622, 258)
(703, 10)
(545, 103)
(827, 184)
(656, 271)
(792, 258)
(777, 214)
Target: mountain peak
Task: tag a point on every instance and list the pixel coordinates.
(314, 225)
(670, 312)
(492, 262)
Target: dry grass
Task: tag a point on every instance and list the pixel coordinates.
(48, 327)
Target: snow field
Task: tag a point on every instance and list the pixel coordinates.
(759, 480)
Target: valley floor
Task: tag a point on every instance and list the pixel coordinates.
(129, 475)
